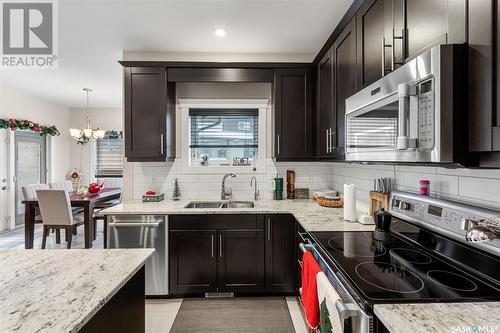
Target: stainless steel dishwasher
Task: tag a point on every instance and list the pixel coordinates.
(144, 231)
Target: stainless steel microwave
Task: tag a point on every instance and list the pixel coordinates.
(416, 114)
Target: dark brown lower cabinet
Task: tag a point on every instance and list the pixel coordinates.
(231, 253)
(240, 263)
(193, 261)
(279, 253)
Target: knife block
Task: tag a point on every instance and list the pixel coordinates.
(378, 200)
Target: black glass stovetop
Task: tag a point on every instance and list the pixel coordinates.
(400, 269)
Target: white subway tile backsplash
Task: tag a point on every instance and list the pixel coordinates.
(475, 186)
(160, 177)
(480, 187)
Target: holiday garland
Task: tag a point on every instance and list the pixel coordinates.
(15, 124)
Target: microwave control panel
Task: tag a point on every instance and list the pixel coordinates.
(426, 115)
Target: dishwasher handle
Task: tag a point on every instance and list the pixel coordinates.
(134, 225)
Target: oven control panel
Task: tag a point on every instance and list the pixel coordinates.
(434, 213)
(426, 115)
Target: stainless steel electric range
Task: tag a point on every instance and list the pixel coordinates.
(425, 257)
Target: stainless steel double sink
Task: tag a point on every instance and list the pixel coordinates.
(220, 204)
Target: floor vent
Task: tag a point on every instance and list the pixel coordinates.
(218, 295)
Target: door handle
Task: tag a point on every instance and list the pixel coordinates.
(404, 92)
(220, 245)
(212, 245)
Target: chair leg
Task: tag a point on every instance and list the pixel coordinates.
(69, 237)
(74, 231)
(44, 236)
(95, 228)
(58, 236)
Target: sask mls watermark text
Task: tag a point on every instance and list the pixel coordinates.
(29, 34)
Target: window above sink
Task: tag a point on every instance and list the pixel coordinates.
(224, 135)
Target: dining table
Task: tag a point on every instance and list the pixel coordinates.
(86, 203)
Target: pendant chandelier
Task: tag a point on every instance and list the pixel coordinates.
(87, 133)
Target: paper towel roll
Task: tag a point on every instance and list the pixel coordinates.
(349, 202)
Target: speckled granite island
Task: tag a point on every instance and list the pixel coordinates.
(69, 290)
(307, 212)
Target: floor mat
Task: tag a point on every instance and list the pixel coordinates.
(256, 314)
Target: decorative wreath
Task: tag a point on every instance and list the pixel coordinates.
(15, 124)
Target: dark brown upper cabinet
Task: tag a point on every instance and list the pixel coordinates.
(432, 22)
(149, 114)
(374, 44)
(389, 32)
(326, 126)
(345, 81)
(484, 84)
(293, 114)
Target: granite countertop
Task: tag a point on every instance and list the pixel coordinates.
(312, 216)
(440, 317)
(61, 290)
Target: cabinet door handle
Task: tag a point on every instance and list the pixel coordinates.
(161, 144)
(268, 229)
(327, 144)
(278, 141)
(220, 245)
(384, 45)
(332, 134)
(212, 245)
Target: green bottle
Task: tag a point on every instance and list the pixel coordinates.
(279, 187)
(177, 191)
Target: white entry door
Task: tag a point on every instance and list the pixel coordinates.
(4, 182)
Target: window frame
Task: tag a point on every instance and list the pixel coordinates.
(217, 104)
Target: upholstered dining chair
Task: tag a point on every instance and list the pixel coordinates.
(29, 193)
(55, 207)
(68, 186)
(64, 185)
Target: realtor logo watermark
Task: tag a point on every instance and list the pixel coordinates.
(29, 34)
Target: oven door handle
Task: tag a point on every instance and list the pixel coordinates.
(345, 310)
(405, 90)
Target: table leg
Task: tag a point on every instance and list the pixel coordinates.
(29, 225)
(88, 225)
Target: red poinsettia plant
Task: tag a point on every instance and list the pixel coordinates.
(27, 125)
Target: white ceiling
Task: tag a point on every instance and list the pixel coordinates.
(94, 33)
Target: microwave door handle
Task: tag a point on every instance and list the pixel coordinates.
(404, 92)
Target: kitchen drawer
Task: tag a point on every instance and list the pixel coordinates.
(216, 222)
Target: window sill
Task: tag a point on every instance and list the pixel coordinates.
(222, 170)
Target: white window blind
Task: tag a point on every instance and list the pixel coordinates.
(224, 134)
(109, 156)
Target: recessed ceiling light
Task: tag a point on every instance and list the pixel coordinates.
(220, 32)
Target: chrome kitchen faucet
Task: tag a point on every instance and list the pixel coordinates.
(226, 194)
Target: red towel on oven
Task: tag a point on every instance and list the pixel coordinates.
(310, 269)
